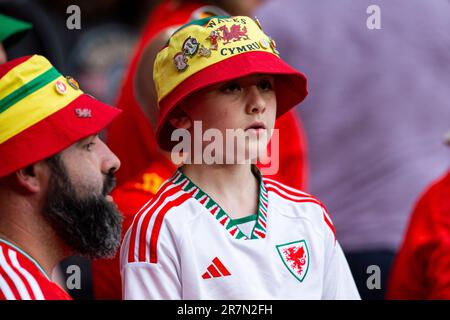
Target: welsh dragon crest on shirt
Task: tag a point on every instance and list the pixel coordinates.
(295, 257)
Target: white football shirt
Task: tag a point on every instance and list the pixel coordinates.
(183, 245)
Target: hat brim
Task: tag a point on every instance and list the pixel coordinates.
(291, 86)
(55, 133)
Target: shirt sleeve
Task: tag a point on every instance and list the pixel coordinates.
(150, 281)
(338, 283)
(338, 279)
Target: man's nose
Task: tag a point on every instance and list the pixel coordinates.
(111, 162)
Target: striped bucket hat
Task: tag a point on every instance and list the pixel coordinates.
(43, 113)
(216, 49)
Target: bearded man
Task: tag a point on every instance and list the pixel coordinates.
(55, 177)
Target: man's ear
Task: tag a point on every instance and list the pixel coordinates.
(179, 119)
(33, 177)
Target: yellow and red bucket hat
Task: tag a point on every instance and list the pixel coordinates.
(217, 49)
(43, 113)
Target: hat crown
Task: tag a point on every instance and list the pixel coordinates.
(9, 65)
(18, 73)
(31, 89)
(42, 112)
(214, 50)
(202, 43)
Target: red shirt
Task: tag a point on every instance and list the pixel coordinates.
(422, 267)
(22, 278)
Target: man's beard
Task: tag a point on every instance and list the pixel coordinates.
(89, 225)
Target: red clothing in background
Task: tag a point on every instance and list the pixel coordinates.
(422, 267)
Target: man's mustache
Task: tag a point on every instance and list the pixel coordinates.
(109, 183)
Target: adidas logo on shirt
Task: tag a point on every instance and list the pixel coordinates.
(216, 270)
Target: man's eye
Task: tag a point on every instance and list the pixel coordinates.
(265, 85)
(232, 87)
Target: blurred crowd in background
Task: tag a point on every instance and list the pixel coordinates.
(374, 121)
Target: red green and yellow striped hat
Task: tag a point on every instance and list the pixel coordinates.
(43, 113)
(217, 49)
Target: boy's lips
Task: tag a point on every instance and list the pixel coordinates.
(257, 125)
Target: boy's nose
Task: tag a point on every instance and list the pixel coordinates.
(255, 101)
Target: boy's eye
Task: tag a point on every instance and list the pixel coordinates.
(89, 146)
(265, 85)
(231, 87)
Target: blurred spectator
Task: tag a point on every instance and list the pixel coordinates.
(422, 266)
(97, 54)
(10, 30)
(41, 39)
(100, 58)
(378, 106)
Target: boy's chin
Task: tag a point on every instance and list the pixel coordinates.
(250, 153)
(253, 153)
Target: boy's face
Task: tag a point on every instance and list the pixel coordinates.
(245, 105)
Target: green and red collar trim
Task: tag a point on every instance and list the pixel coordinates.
(259, 230)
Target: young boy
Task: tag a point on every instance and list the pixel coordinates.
(221, 230)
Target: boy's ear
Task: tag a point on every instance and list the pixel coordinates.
(31, 178)
(179, 119)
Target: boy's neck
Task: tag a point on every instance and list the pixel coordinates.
(234, 187)
(220, 177)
